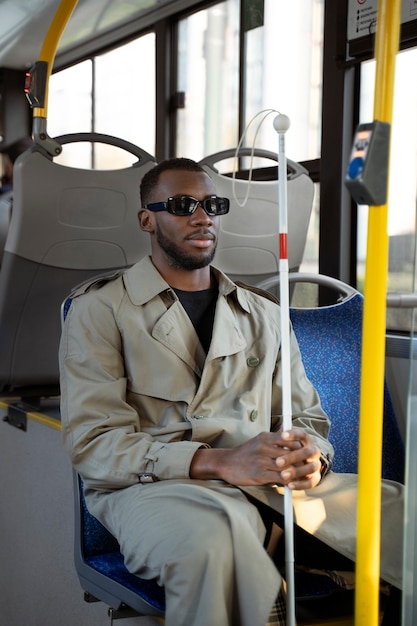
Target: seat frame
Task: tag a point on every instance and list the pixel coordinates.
(101, 570)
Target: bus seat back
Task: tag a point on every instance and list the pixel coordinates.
(67, 225)
(248, 247)
(330, 341)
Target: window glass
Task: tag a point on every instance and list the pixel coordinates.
(282, 72)
(402, 182)
(113, 94)
(208, 78)
(279, 72)
(125, 98)
(310, 262)
(283, 69)
(70, 110)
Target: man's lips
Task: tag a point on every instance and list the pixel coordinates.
(201, 236)
(201, 239)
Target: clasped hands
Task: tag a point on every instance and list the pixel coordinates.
(288, 458)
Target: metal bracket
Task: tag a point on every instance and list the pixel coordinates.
(88, 597)
(121, 613)
(17, 415)
(41, 137)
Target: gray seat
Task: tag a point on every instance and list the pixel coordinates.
(67, 225)
(248, 247)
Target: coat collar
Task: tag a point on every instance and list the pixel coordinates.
(143, 282)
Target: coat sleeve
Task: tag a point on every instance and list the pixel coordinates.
(307, 412)
(101, 431)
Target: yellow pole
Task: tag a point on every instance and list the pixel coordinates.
(50, 45)
(373, 347)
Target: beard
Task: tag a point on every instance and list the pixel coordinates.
(181, 260)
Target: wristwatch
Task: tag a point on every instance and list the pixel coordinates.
(326, 465)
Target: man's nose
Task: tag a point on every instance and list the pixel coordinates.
(200, 216)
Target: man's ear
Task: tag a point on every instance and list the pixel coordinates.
(146, 220)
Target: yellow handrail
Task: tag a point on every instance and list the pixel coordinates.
(50, 45)
(373, 346)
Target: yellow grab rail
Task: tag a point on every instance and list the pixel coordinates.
(37, 80)
(50, 45)
(373, 346)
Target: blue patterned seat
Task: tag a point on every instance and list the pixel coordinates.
(330, 342)
(330, 339)
(101, 570)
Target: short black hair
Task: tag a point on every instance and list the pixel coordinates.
(151, 178)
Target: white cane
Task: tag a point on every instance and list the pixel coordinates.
(281, 125)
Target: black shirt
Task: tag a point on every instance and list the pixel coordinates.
(200, 307)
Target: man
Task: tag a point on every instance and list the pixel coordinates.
(171, 412)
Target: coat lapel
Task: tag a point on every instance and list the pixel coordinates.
(174, 329)
(227, 338)
(176, 332)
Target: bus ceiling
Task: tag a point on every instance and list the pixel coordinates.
(92, 26)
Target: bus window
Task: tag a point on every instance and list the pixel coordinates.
(125, 95)
(69, 110)
(115, 95)
(402, 183)
(208, 80)
(310, 262)
(283, 69)
(278, 72)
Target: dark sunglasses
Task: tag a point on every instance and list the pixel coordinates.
(186, 205)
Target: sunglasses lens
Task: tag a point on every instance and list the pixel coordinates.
(183, 205)
(215, 205)
(222, 206)
(186, 205)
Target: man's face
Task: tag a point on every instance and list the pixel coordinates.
(187, 242)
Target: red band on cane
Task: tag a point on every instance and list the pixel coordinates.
(283, 250)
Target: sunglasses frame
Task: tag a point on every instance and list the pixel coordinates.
(170, 205)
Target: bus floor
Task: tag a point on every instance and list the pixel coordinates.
(335, 610)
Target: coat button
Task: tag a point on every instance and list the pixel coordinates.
(253, 415)
(199, 417)
(252, 361)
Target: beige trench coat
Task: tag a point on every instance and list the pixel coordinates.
(140, 395)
